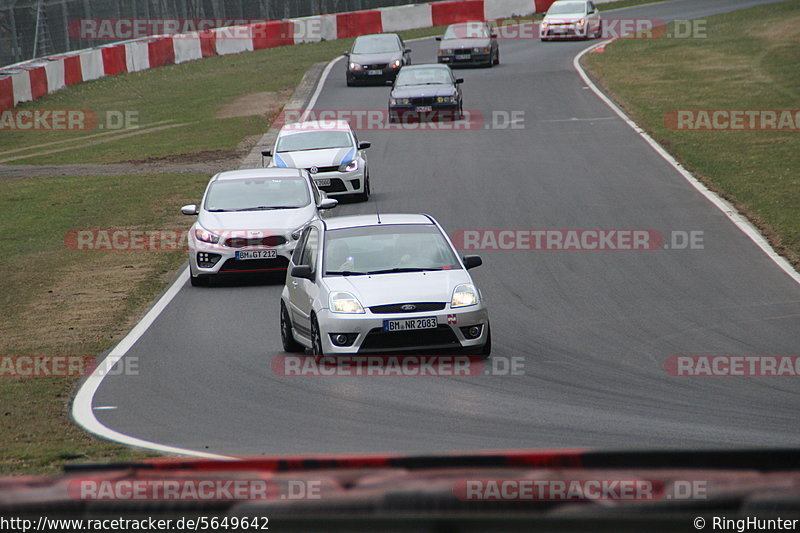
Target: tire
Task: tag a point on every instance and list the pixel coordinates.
(349, 82)
(199, 281)
(364, 196)
(289, 344)
(316, 340)
(497, 57)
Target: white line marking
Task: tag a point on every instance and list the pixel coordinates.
(730, 211)
(82, 410)
(105, 407)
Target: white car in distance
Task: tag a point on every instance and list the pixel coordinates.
(571, 19)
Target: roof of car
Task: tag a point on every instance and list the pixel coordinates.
(268, 172)
(315, 125)
(426, 65)
(354, 221)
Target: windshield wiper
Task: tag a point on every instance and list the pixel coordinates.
(426, 83)
(345, 273)
(218, 210)
(267, 207)
(401, 269)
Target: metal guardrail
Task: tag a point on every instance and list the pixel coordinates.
(36, 28)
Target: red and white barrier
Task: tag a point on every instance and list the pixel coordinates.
(28, 81)
(408, 17)
(54, 68)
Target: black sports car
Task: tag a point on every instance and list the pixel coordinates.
(376, 58)
(425, 91)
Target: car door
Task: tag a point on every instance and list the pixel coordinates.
(303, 292)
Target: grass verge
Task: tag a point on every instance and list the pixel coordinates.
(747, 61)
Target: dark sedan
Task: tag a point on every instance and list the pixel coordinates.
(376, 58)
(425, 91)
(469, 43)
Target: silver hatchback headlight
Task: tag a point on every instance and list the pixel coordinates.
(464, 295)
(344, 302)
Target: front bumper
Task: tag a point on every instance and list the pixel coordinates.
(225, 262)
(369, 337)
(564, 31)
(474, 59)
(341, 183)
(408, 112)
(364, 76)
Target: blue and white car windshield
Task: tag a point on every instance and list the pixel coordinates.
(314, 140)
(256, 194)
(387, 248)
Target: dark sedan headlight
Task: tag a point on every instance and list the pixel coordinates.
(482, 50)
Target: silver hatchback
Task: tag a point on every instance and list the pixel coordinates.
(381, 284)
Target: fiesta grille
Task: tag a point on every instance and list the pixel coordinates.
(398, 308)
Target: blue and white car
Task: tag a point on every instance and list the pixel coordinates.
(330, 151)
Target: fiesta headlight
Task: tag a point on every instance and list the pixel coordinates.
(355, 66)
(350, 166)
(396, 63)
(344, 302)
(464, 295)
(202, 234)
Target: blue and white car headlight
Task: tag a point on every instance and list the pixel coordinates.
(344, 302)
(349, 166)
(464, 295)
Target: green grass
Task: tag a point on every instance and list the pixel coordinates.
(57, 301)
(748, 60)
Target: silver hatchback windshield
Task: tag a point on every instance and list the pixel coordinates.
(387, 249)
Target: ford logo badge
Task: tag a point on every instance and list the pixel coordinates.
(408, 307)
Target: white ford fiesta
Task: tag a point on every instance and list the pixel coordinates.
(250, 221)
(381, 284)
